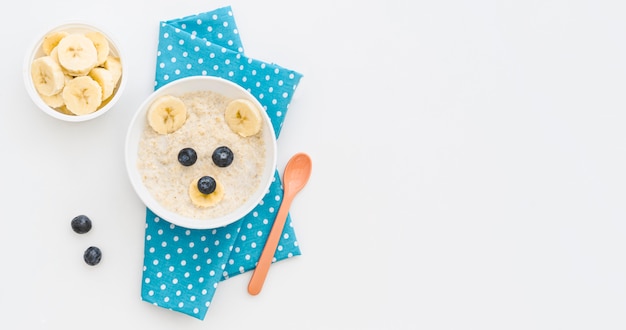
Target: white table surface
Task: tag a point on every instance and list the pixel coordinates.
(469, 169)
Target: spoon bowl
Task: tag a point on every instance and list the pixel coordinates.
(296, 175)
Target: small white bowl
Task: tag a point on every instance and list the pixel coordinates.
(36, 51)
(139, 123)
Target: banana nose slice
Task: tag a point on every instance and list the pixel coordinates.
(205, 200)
(167, 114)
(243, 117)
(77, 54)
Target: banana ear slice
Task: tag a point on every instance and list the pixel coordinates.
(243, 117)
(167, 114)
(205, 200)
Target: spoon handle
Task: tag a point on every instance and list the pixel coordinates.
(263, 265)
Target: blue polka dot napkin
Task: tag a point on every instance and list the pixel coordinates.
(182, 267)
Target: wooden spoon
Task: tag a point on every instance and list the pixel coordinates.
(296, 175)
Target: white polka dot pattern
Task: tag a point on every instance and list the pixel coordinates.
(202, 46)
(182, 267)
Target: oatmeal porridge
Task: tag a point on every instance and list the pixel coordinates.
(204, 130)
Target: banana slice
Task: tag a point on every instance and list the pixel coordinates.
(77, 54)
(243, 117)
(114, 65)
(54, 54)
(63, 109)
(105, 79)
(167, 114)
(47, 76)
(54, 101)
(102, 45)
(82, 95)
(205, 200)
(51, 40)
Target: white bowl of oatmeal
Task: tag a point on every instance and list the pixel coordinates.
(74, 72)
(167, 185)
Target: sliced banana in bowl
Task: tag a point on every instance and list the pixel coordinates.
(74, 72)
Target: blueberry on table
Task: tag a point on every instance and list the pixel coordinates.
(92, 255)
(223, 156)
(81, 224)
(206, 185)
(187, 156)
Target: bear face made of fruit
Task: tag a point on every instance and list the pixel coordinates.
(167, 114)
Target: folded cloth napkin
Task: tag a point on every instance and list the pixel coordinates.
(182, 267)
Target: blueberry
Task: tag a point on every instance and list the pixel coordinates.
(223, 156)
(187, 156)
(206, 185)
(81, 224)
(92, 256)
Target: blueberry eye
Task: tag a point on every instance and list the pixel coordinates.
(223, 156)
(206, 185)
(187, 156)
